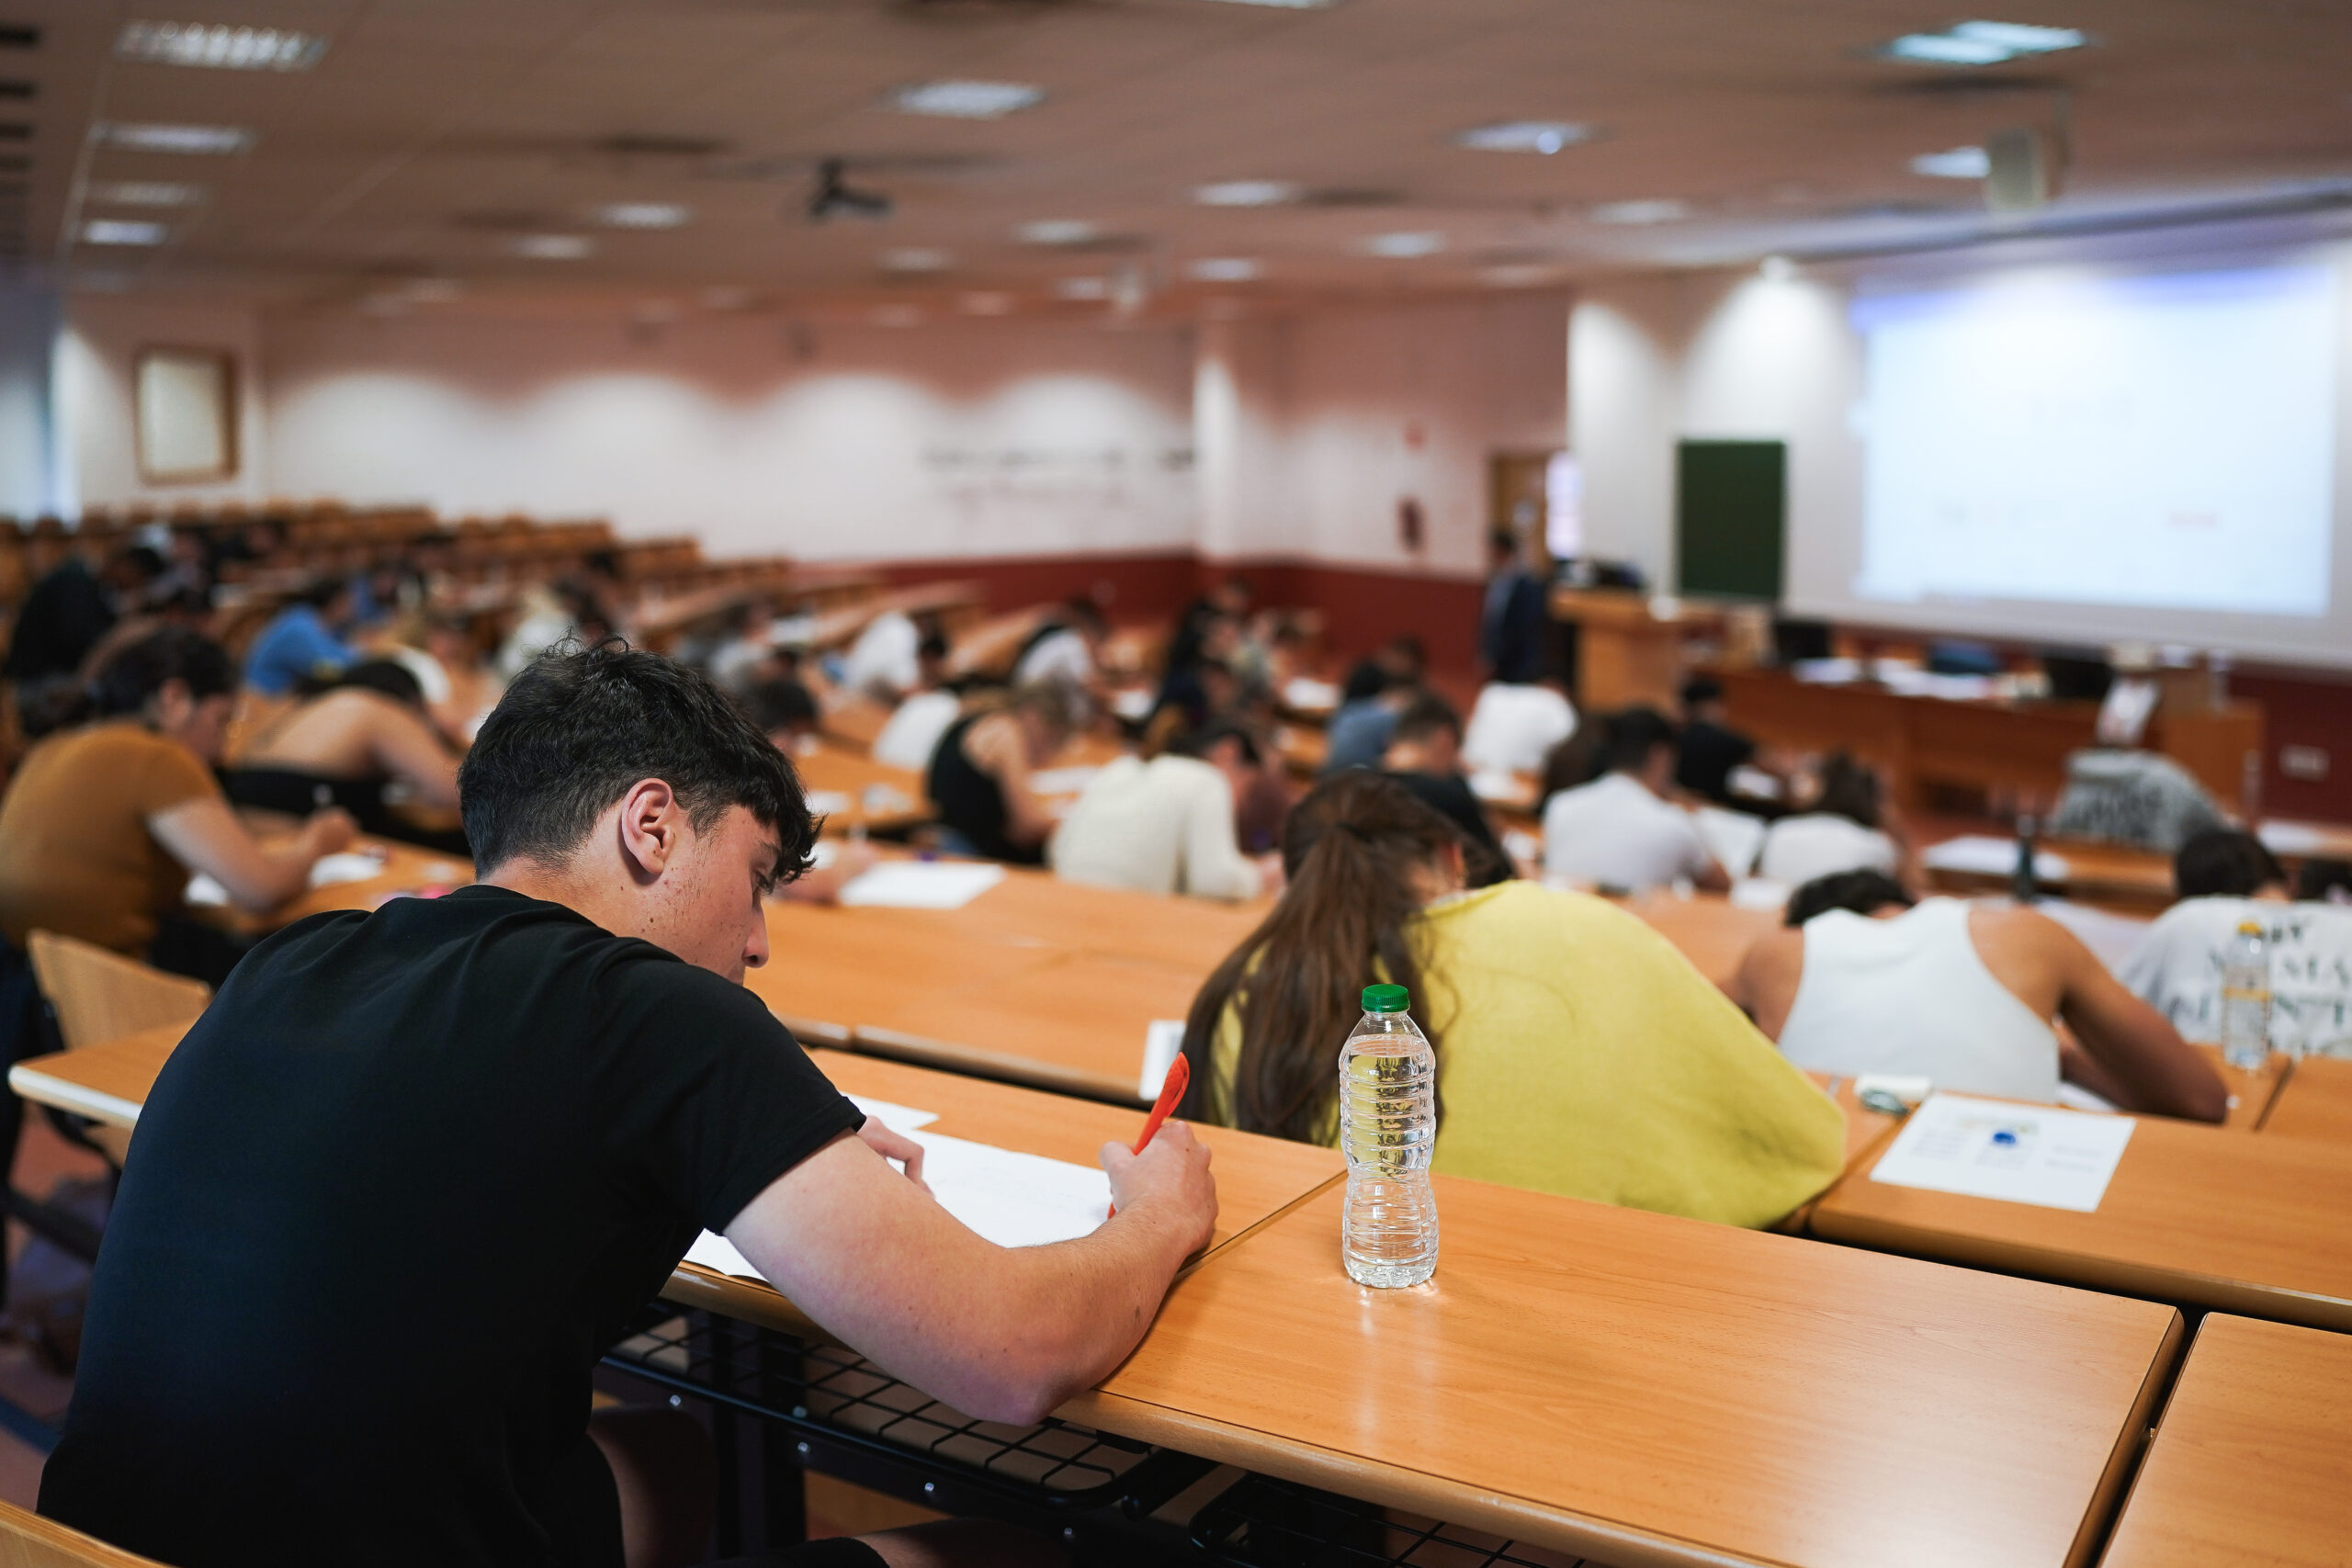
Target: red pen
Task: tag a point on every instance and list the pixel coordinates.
(1171, 1089)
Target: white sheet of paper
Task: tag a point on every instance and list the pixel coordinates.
(1011, 1198)
(922, 884)
(828, 802)
(2283, 837)
(1984, 855)
(1062, 780)
(203, 893)
(328, 870)
(1163, 1041)
(2018, 1154)
(891, 1114)
(1759, 893)
(1733, 836)
(1134, 704)
(1494, 784)
(1309, 696)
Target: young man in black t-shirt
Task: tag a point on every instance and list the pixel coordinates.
(414, 1171)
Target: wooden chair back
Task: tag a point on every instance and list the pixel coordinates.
(28, 1540)
(101, 996)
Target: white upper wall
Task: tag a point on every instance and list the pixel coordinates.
(97, 359)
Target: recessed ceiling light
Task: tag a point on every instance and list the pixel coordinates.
(1525, 136)
(1980, 43)
(1648, 211)
(552, 247)
(1058, 232)
(643, 215)
(964, 99)
(1246, 193)
(1420, 243)
(915, 258)
(145, 193)
(986, 304)
(1226, 269)
(222, 48)
(123, 232)
(193, 138)
(1953, 164)
(1083, 287)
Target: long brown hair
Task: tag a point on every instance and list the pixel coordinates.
(1349, 850)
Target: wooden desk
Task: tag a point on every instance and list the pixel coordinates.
(2194, 1214)
(2135, 881)
(2253, 1463)
(1257, 1178)
(1651, 1390)
(106, 1083)
(1712, 932)
(2316, 1101)
(882, 799)
(406, 869)
(2253, 1091)
(1979, 745)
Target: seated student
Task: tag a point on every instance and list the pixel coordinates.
(1514, 727)
(473, 1136)
(1846, 828)
(912, 733)
(980, 774)
(1359, 731)
(1711, 751)
(102, 826)
(2132, 797)
(786, 712)
(1864, 981)
(366, 729)
(1620, 832)
(1067, 646)
(2225, 877)
(300, 643)
(885, 661)
(1577, 1051)
(1425, 755)
(1165, 825)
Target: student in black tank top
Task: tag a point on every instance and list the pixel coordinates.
(980, 775)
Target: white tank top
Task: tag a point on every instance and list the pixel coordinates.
(1911, 995)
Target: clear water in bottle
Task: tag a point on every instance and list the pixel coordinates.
(2246, 997)
(1388, 1129)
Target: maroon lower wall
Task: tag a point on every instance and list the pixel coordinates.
(2304, 707)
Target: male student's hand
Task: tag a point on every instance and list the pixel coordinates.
(1170, 1182)
(894, 1146)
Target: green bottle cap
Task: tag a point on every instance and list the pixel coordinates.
(1385, 999)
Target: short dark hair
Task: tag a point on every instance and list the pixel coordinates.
(781, 704)
(1629, 735)
(1212, 735)
(1502, 542)
(1848, 789)
(581, 725)
(1368, 678)
(318, 592)
(2224, 862)
(386, 677)
(2320, 881)
(139, 670)
(1425, 716)
(1701, 689)
(1861, 891)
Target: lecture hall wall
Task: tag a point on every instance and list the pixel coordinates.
(1043, 457)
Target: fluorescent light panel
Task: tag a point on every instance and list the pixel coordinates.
(145, 193)
(643, 215)
(915, 258)
(1650, 211)
(552, 247)
(220, 47)
(960, 99)
(123, 232)
(1980, 43)
(1225, 269)
(1246, 193)
(1403, 246)
(1059, 231)
(1545, 136)
(1953, 164)
(198, 139)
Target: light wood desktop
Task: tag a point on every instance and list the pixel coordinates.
(106, 1083)
(2193, 1213)
(406, 869)
(2252, 1464)
(2253, 1091)
(1648, 1390)
(2316, 1101)
(872, 797)
(1711, 930)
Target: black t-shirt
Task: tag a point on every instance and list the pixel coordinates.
(1710, 752)
(405, 1181)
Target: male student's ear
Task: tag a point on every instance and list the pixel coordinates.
(649, 826)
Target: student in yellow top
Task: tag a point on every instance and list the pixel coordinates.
(1579, 1053)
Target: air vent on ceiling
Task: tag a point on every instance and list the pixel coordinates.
(16, 35)
(797, 168)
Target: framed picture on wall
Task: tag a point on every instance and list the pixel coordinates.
(186, 414)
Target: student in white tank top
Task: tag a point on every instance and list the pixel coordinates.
(1860, 981)
(1912, 995)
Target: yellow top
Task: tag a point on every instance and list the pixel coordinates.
(1580, 1053)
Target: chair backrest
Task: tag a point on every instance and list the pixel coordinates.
(101, 996)
(28, 1540)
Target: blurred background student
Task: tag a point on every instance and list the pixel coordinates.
(1577, 1051)
(358, 742)
(980, 774)
(1621, 831)
(1167, 825)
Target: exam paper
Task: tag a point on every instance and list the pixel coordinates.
(922, 884)
(828, 802)
(1309, 696)
(1496, 783)
(327, 871)
(2018, 1154)
(1986, 856)
(1011, 1198)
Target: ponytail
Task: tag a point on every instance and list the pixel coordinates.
(1349, 852)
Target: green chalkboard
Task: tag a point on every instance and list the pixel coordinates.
(1731, 505)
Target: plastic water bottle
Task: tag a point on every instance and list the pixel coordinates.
(2246, 997)
(1387, 1129)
